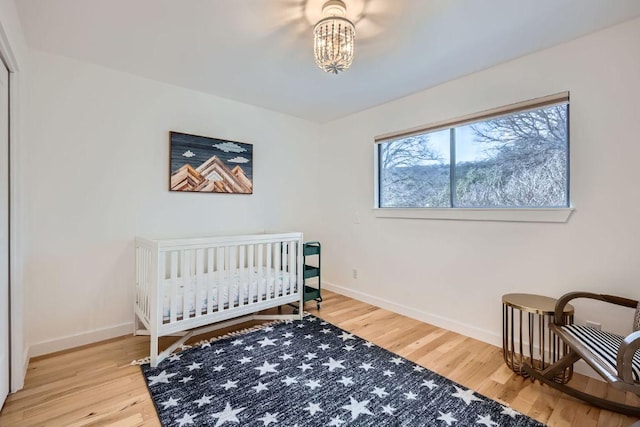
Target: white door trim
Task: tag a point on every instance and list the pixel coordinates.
(18, 357)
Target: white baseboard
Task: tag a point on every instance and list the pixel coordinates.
(440, 321)
(76, 340)
(433, 319)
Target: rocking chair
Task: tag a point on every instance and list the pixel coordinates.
(615, 358)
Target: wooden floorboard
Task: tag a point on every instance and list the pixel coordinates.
(95, 385)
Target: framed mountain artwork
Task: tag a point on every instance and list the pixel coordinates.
(210, 165)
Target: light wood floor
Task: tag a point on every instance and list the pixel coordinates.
(96, 385)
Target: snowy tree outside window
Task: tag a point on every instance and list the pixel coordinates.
(518, 160)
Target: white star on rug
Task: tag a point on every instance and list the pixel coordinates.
(357, 408)
(366, 366)
(219, 351)
(486, 420)
(162, 377)
(388, 409)
(286, 356)
(313, 408)
(466, 395)
(301, 325)
(388, 373)
(268, 329)
(194, 365)
(447, 418)
(287, 343)
(266, 341)
(310, 319)
(237, 342)
(325, 331)
(249, 348)
(346, 336)
(346, 381)
(228, 414)
(305, 367)
(244, 360)
(310, 356)
(229, 384)
(269, 418)
(186, 419)
(185, 380)
(308, 337)
(169, 403)
(324, 346)
(267, 367)
(313, 384)
(174, 357)
(323, 323)
(334, 364)
(218, 368)
(397, 360)
(336, 421)
(348, 348)
(410, 396)
(431, 384)
(260, 387)
(368, 344)
(203, 400)
(287, 335)
(510, 412)
(380, 392)
(290, 380)
(418, 368)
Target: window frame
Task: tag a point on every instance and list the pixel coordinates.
(523, 214)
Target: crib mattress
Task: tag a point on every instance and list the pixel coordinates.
(232, 287)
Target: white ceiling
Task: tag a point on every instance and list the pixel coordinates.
(260, 51)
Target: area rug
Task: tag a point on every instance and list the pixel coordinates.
(311, 373)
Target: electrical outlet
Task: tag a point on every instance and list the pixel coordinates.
(355, 273)
(594, 325)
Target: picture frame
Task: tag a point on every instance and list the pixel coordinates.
(200, 164)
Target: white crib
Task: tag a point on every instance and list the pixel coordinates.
(190, 286)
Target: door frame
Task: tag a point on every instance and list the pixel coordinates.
(18, 357)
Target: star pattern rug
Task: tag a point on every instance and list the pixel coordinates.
(311, 373)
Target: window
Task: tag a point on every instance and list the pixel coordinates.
(512, 157)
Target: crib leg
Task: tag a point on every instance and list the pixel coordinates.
(153, 350)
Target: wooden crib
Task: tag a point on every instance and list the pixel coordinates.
(190, 286)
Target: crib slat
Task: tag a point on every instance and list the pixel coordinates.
(220, 276)
(199, 253)
(260, 261)
(232, 278)
(267, 282)
(210, 279)
(173, 310)
(293, 251)
(244, 274)
(278, 267)
(187, 284)
(251, 263)
(160, 289)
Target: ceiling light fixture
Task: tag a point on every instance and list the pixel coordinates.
(334, 38)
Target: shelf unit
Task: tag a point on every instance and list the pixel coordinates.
(312, 250)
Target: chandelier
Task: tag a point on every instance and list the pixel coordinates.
(333, 38)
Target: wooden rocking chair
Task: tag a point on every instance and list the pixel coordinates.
(615, 358)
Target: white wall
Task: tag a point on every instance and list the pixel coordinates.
(96, 175)
(453, 273)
